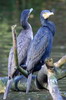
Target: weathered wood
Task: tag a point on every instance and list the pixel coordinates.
(60, 62)
(24, 72)
(14, 44)
(53, 86)
(52, 81)
(60, 73)
(42, 74)
(22, 80)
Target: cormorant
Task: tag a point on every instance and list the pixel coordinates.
(23, 42)
(41, 45)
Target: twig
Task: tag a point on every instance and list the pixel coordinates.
(24, 72)
(14, 44)
(60, 62)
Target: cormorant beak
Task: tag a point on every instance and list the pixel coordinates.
(31, 15)
(46, 15)
(31, 10)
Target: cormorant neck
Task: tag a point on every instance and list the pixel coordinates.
(43, 21)
(49, 24)
(52, 27)
(25, 24)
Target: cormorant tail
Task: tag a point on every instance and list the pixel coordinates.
(29, 82)
(9, 83)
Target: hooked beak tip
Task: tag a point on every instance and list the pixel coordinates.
(31, 10)
(52, 13)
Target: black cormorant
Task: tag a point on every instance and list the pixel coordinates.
(23, 42)
(41, 45)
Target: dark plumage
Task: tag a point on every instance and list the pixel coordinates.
(23, 42)
(41, 45)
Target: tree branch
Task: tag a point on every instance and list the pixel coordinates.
(52, 81)
(60, 62)
(24, 72)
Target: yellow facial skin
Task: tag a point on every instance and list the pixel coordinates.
(46, 15)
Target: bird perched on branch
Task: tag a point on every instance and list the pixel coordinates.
(23, 42)
(41, 45)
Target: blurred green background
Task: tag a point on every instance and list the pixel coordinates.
(10, 11)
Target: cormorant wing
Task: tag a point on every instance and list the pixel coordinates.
(37, 48)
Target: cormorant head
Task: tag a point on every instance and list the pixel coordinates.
(46, 13)
(25, 15)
